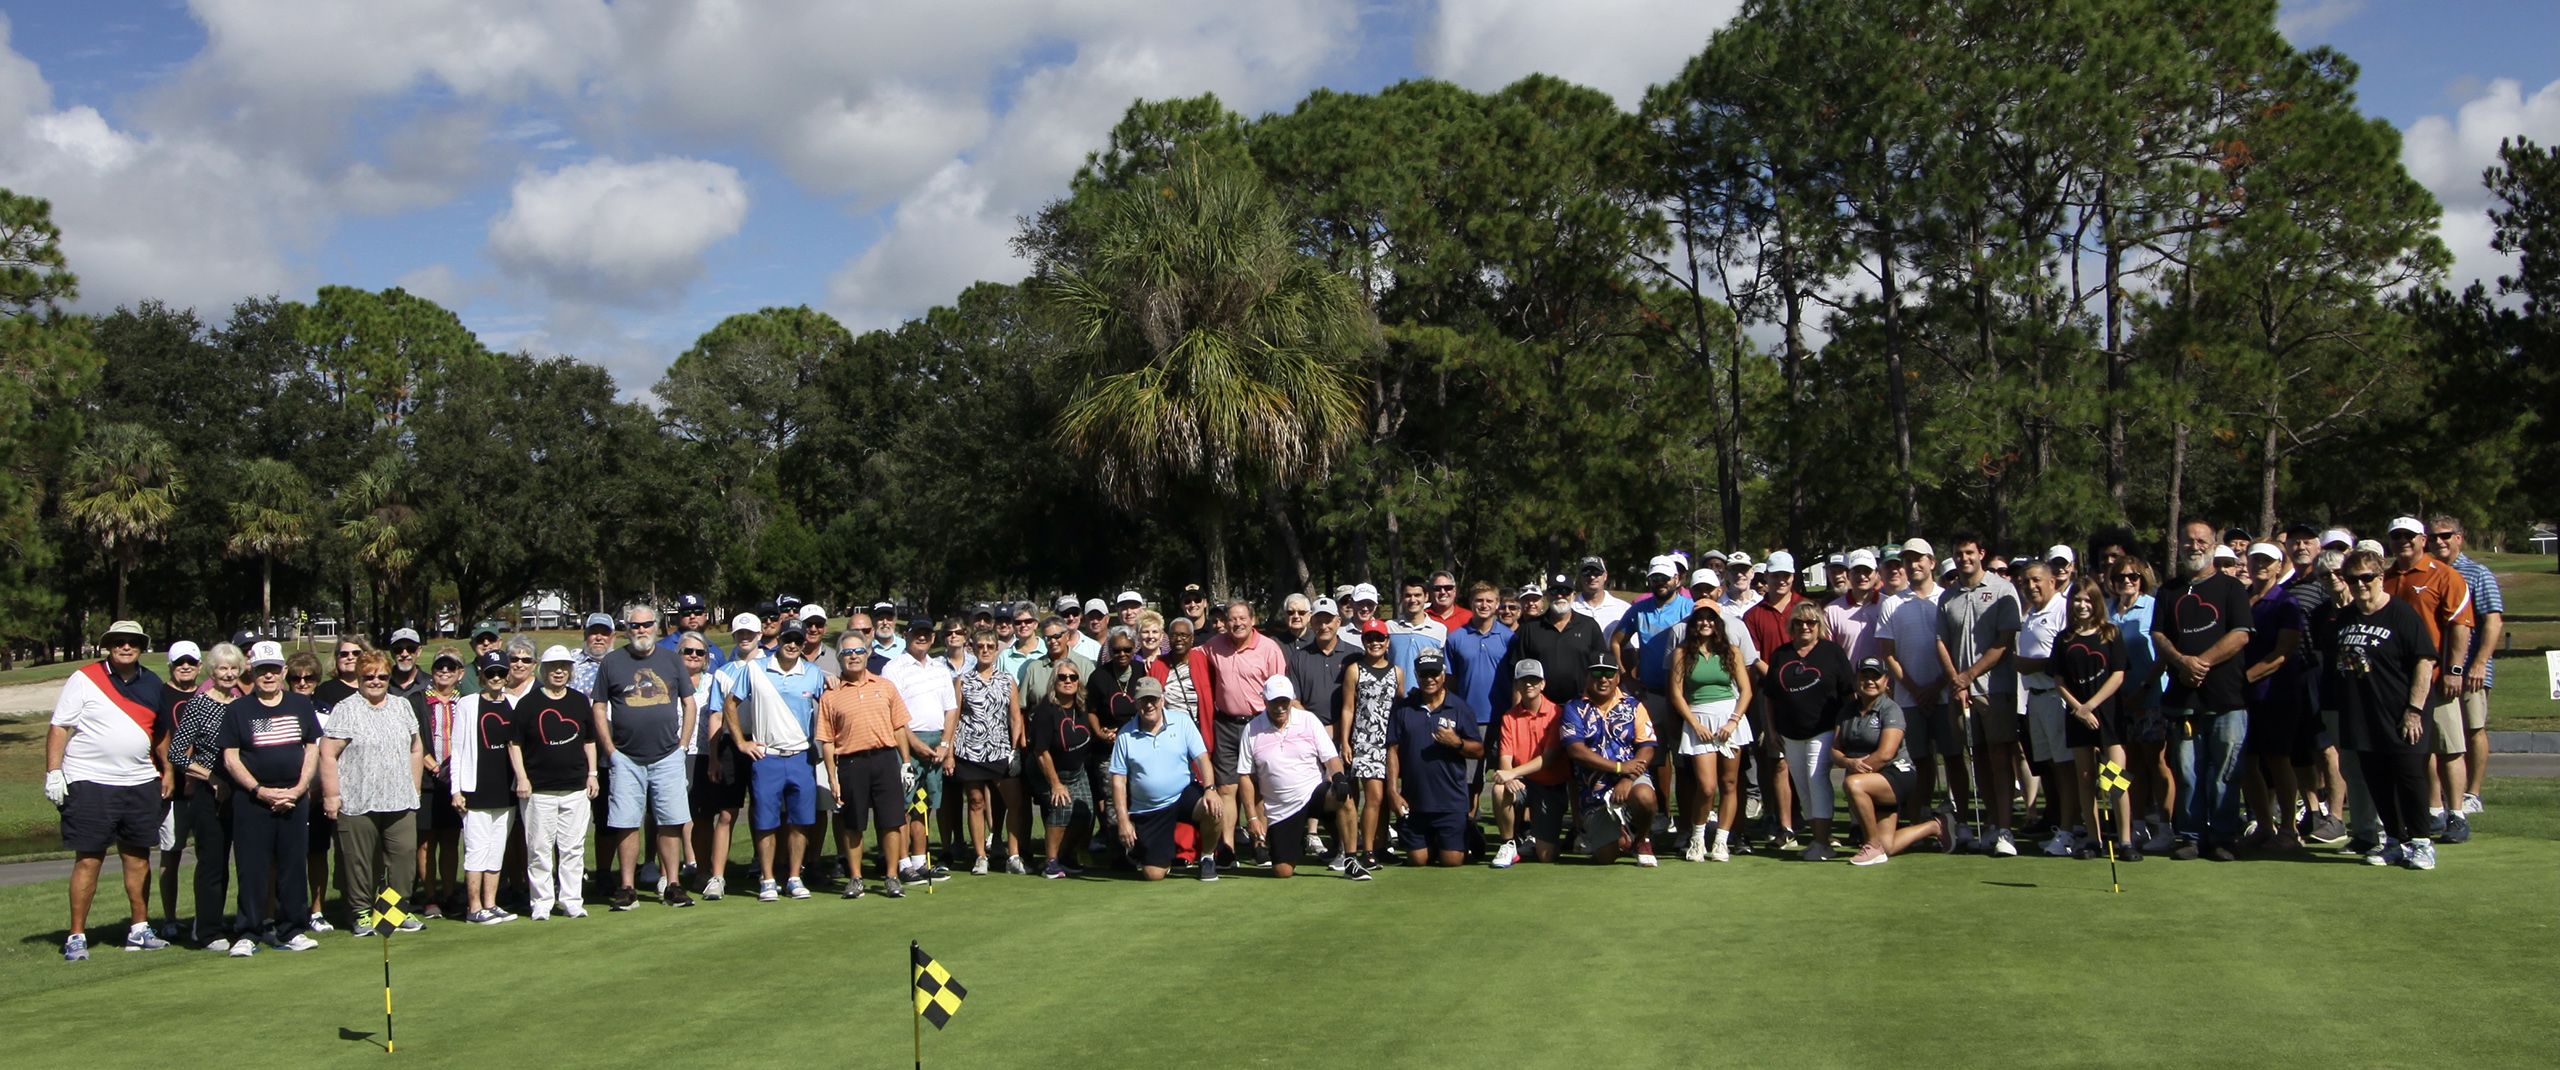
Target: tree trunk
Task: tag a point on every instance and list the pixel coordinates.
(266, 593)
(1213, 547)
(1900, 391)
(1395, 549)
(1795, 387)
(2117, 363)
(1293, 559)
(2269, 461)
(122, 568)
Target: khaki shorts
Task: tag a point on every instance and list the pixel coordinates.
(1995, 720)
(2475, 710)
(2444, 728)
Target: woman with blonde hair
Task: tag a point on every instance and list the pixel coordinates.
(1808, 683)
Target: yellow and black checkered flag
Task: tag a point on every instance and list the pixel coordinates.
(2111, 780)
(937, 995)
(916, 805)
(386, 909)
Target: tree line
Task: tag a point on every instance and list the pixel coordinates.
(1859, 272)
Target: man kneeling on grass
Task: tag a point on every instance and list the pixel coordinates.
(1430, 739)
(1609, 737)
(1297, 777)
(1157, 767)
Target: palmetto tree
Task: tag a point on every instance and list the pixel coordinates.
(1215, 357)
(271, 518)
(123, 489)
(376, 518)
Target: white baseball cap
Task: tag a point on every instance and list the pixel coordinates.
(1367, 592)
(2223, 552)
(1919, 546)
(1736, 558)
(2339, 537)
(1531, 590)
(1862, 558)
(1129, 598)
(265, 653)
(2374, 545)
(2266, 550)
(745, 622)
(557, 653)
(1277, 687)
(1782, 561)
(1096, 605)
(409, 635)
(1708, 576)
(813, 610)
(1662, 566)
(2059, 552)
(2408, 524)
(1325, 607)
(185, 649)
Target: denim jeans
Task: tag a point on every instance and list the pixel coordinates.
(2205, 753)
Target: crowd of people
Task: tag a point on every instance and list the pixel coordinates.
(2267, 695)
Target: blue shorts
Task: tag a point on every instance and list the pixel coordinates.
(928, 775)
(785, 787)
(1435, 831)
(656, 789)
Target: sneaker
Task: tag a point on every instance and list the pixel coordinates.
(362, 928)
(624, 899)
(2421, 853)
(1507, 855)
(1340, 861)
(2326, 830)
(795, 889)
(1950, 834)
(2257, 836)
(320, 924)
(1013, 865)
(2128, 852)
(767, 891)
(413, 923)
(1785, 841)
(539, 912)
(2285, 841)
(482, 916)
(1315, 844)
(1261, 855)
(1818, 852)
(1358, 871)
(1644, 857)
(76, 949)
(2360, 846)
(676, 896)
(715, 887)
(1720, 852)
(300, 942)
(2061, 845)
(1052, 870)
(568, 910)
(978, 868)
(1208, 867)
(934, 874)
(2457, 829)
(853, 889)
(1870, 855)
(2002, 846)
(2470, 803)
(2436, 823)
(141, 938)
(2221, 853)
(432, 913)
(2188, 851)
(1696, 849)
(893, 888)
(2395, 854)
(243, 948)
(2161, 838)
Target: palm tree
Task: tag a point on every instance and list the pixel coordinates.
(272, 519)
(1215, 357)
(377, 521)
(124, 487)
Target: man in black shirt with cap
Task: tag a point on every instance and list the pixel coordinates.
(1562, 640)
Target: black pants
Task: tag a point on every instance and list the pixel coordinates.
(2398, 784)
(271, 847)
(207, 817)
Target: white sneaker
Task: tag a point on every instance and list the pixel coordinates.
(795, 889)
(573, 910)
(1315, 845)
(1720, 852)
(1506, 856)
(2003, 845)
(320, 924)
(2421, 854)
(1645, 859)
(2470, 803)
(1013, 865)
(715, 887)
(767, 892)
(1751, 808)
(243, 948)
(2060, 846)
(300, 942)
(979, 867)
(1696, 849)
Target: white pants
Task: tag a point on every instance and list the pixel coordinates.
(1809, 765)
(555, 848)
(484, 839)
(2046, 713)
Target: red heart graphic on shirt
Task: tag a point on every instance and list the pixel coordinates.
(2089, 655)
(2193, 614)
(1799, 676)
(1072, 734)
(493, 725)
(557, 728)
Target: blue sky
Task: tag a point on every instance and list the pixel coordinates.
(610, 180)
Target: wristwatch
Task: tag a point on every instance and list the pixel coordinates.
(2457, 670)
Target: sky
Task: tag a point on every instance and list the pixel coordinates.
(609, 180)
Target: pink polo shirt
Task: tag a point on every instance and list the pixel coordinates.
(1236, 675)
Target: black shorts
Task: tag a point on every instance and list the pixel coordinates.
(1545, 804)
(2273, 724)
(1908, 806)
(873, 783)
(969, 772)
(1288, 837)
(710, 798)
(324, 832)
(435, 807)
(1435, 831)
(2076, 735)
(1155, 827)
(1229, 747)
(98, 817)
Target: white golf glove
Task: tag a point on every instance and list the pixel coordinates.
(56, 787)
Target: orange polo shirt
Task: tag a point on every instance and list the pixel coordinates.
(860, 717)
(2439, 594)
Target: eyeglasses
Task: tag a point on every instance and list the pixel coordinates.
(2440, 536)
(1066, 676)
(2362, 578)
(302, 678)
(520, 661)
(373, 676)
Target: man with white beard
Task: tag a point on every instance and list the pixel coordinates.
(644, 712)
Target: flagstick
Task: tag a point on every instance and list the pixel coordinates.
(387, 1047)
(917, 1012)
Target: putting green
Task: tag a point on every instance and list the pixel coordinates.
(2299, 960)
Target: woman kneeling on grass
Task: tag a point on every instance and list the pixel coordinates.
(1884, 787)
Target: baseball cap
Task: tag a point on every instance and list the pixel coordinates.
(2336, 537)
(1560, 585)
(445, 655)
(1606, 662)
(2059, 552)
(2300, 529)
(786, 601)
(487, 627)
(2266, 550)
(1710, 577)
(1862, 558)
(1192, 590)
(1528, 669)
(1737, 559)
(2223, 553)
(185, 649)
(1126, 598)
(1148, 687)
(1839, 560)
(1531, 590)
(1367, 592)
(1873, 665)
(2241, 535)
(1662, 566)
(2408, 524)
(1374, 629)
(405, 635)
(492, 663)
(1716, 556)
(1428, 660)
(885, 606)
(126, 627)
(1593, 566)
(1066, 603)
(1278, 687)
(813, 610)
(271, 652)
(600, 620)
(557, 653)
(1919, 546)
(745, 622)
(690, 603)
(2374, 545)
(1096, 605)
(1326, 607)
(791, 629)
(1782, 561)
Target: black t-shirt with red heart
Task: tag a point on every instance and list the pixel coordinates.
(1808, 690)
(2087, 659)
(1060, 732)
(494, 786)
(2195, 616)
(554, 733)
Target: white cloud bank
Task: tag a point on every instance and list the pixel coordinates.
(616, 233)
(2447, 155)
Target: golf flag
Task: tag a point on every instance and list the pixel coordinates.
(387, 915)
(2111, 779)
(386, 909)
(937, 995)
(916, 805)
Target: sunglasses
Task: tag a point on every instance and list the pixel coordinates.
(2440, 536)
(373, 676)
(2362, 578)
(1604, 674)
(302, 678)
(1444, 586)
(1067, 676)
(641, 625)
(520, 661)
(695, 652)
(345, 654)
(2128, 577)
(1510, 607)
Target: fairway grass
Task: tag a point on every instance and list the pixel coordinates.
(2305, 960)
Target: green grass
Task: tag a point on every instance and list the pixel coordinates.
(2520, 703)
(2306, 960)
(28, 823)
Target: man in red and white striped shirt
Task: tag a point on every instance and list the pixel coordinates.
(106, 768)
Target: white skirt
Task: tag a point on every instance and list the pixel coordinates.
(1712, 714)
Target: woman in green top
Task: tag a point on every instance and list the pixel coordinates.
(1710, 690)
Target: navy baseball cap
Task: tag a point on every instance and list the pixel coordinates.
(691, 603)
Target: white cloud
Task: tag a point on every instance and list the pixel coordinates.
(2447, 155)
(2309, 19)
(618, 233)
(1620, 47)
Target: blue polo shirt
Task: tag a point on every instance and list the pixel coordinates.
(1158, 764)
(1475, 669)
(1650, 623)
(799, 688)
(2485, 598)
(1405, 642)
(1435, 776)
